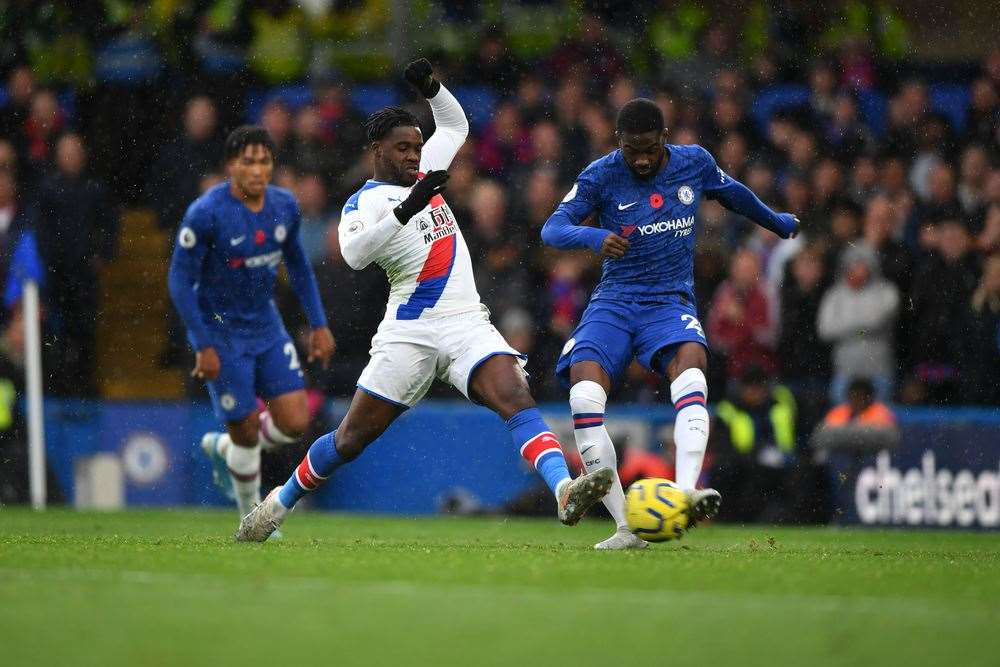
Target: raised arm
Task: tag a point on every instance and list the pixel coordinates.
(738, 198)
(451, 125)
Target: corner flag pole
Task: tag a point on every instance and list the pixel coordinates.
(33, 373)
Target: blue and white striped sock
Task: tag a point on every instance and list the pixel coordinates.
(316, 466)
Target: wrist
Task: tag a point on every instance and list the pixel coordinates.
(403, 214)
(431, 89)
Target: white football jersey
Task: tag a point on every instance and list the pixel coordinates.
(426, 260)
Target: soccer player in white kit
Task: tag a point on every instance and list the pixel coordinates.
(435, 325)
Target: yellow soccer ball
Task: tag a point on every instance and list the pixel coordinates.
(656, 510)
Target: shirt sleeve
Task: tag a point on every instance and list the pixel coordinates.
(300, 273)
(194, 239)
(364, 230)
(564, 228)
(451, 129)
(720, 186)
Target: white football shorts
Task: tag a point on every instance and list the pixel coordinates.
(407, 355)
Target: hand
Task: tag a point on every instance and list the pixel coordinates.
(790, 222)
(420, 74)
(206, 364)
(431, 184)
(614, 246)
(321, 345)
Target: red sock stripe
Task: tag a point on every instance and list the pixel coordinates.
(306, 476)
(244, 478)
(541, 444)
(588, 421)
(690, 399)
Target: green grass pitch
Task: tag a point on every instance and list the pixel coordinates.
(171, 588)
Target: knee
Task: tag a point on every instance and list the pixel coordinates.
(244, 433)
(294, 426)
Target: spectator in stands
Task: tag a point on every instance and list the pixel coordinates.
(984, 109)
(740, 322)
(942, 287)
(315, 227)
(805, 359)
(861, 424)
(845, 134)
(181, 164)
(77, 235)
(496, 248)
(14, 113)
(590, 56)
(276, 118)
(980, 339)
(752, 448)
(894, 261)
(858, 317)
(41, 128)
(310, 151)
(505, 144)
(974, 168)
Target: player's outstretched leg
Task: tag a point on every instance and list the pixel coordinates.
(367, 418)
(689, 393)
(587, 400)
(499, 383)
(314, 469)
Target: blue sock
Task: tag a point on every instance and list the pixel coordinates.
(539, 446)
(316, 466)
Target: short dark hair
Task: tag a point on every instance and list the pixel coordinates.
(640, 115)
(862, 386)
(384, 120)
(247, 135)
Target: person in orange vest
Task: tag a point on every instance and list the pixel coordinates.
(861, 423)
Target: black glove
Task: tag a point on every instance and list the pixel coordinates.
(420, 74)
(431, 184)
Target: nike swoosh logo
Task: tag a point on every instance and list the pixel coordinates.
(587, 449)
(394, 199)
(622, 207)
(238, 240)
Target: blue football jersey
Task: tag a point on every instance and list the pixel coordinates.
(658, 216)
(233, 255)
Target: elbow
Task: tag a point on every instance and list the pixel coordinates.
(549, 233)
(353, 257)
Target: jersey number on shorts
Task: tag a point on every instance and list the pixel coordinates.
(693, 323)
(293, 357)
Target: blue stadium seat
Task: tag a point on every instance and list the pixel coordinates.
(372, 97)
(873, 106)
(952, 101)
(478, 102)
(777, 98)
(295, 96)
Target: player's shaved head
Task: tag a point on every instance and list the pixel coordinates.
(641, 136)
(639, 116)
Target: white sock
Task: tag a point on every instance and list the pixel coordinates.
(222, 444)
(268, 435)
(244, 468)
(587, 401)
(689, 393)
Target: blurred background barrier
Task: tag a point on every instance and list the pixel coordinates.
(444, 456)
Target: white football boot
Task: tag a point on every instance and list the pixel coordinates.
(621, 540)
(702, 504)
(580, 494)
(263, 520)
(220, 473)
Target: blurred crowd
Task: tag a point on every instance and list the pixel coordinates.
(893, 169)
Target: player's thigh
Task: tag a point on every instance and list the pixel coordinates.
(232, 393)
(474, 356)
(403, 363)
(664, 329)
(277, 370)
(604, 337)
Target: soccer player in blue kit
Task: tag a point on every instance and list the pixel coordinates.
(222, 274)
(645, 196)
